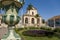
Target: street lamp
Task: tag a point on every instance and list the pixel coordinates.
(11, 18)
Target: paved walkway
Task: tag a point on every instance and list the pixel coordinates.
(3, 31)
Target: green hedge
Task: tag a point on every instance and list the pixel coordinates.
(46, 28)
(57, 30)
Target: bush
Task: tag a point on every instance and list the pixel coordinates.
(46, 28)
(18, 29)
(49, 33)
(37, 33)
(33, 28)
(57, 34)
(21, 28)
(57, 30)
(25, 27)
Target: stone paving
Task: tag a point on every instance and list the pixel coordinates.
(3, 31)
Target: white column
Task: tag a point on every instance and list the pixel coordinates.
(54, 22)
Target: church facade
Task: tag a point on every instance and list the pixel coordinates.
(31, 18)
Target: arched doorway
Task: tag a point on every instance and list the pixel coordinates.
(26, 20)
(32, 21)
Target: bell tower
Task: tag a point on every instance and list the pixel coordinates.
(31, 10)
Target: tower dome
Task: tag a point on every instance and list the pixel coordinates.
(31, 7)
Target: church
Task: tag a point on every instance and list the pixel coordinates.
(31, 17)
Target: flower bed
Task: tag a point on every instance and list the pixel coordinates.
(37, 33)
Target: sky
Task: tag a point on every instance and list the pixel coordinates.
(46, 8)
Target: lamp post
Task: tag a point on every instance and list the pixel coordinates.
(11, 18)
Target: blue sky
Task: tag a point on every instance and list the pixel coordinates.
(46, 8)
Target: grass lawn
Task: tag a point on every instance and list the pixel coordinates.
(40, 38)
(36, 38)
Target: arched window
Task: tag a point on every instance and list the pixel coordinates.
(26, 20)
(32, 13)
(38, 20)
(32, 20)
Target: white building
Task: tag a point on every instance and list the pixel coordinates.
(31, 17)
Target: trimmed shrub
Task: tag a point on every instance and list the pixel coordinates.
(33, 28)
(57, 34)
(46, 28)
(18, 29)
(25, 27)
(57, 30)
(21, 28)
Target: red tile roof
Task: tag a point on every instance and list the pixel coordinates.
(55, 17)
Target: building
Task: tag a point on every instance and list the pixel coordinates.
(54, 21)
(31, 17)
